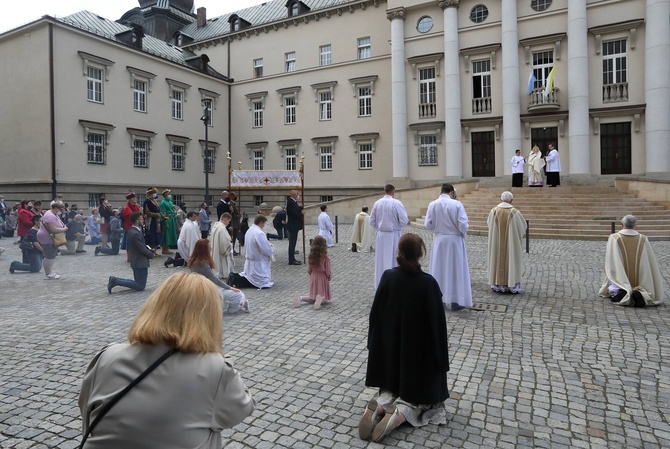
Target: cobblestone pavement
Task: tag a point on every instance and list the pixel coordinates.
(560, 368)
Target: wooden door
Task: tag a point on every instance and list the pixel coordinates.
(615, 158)
(542, 137)
(483, 154)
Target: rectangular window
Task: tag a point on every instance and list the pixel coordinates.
(291, 159)
(614, 62)
(258, 114)
(96, 148)
(365, 156)
(258, 68)
(481, 79)
(209, 161)
(364, 50)
(207, 107)
(325, 158)
(140, 96)
(428, 149)
(325, 106)
(178, 199)
(258, 200)
(325, 55)
(94, 83)
(364, 102)
(258, 160)
(178, 159)
(290, 61)
(94, 199)
(325, 198)
(543, 61)
(141, 153)
(289, 110)
(427, 93)
(177, 104)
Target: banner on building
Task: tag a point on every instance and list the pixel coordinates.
(263, 179)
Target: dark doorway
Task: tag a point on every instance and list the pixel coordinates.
(542, 137)
(483, 154)
(615, 149)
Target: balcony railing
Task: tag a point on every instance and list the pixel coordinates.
(615, 92)
(481, 105)
(427, 110)
(540, 101)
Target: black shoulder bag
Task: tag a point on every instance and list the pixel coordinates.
(123, 392)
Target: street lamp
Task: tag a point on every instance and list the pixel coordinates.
(205, 119)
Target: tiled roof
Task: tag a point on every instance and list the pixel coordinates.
(272, 11)
(173, 10)
(108, 29)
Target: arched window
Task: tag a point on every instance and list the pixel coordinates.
(295, 9)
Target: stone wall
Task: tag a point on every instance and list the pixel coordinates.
(656, 190)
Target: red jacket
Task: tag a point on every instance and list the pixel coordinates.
(24, 221)
(129, 209)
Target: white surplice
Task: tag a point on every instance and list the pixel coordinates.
(362, 234)
(326, 228)
(553, 161)
(630, 264)
(447, 219)
(505, 247)
(258, 254)
(188, 236)
(388, 216)
(517, 164)
(220, 244)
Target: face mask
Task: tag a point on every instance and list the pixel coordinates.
(155, 195)
(30, 207)
(170, 197)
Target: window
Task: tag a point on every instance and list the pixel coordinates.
(140, 153)
(94, 83)
(481, 86)
(289, 110)
(178, 157)
(325, 158)
(540, 5)
(427, 95)
(178, 199)
(543, 62)
(291, 159)
(258, 200)
(325, 106)
(208, 110)
(365, 156)
(326, 198)
(364, 102)
(258, 160)
(209, 161)
(140, 95)
(364, 50)
(479, 13)
(325, 55)
(290, 61)
(177, 97)
(614, 62)
(258, 68)
(94, 199)
(258, 113)
(96, 148)
(295, 9)
(428, 149)
(235, 25)
(425, 24)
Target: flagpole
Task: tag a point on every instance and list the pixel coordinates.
(302, 197)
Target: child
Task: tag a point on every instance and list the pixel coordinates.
(319, 275)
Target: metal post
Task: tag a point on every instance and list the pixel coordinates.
(613, 228)
(337, 234)
(527, 237)
(205, 120)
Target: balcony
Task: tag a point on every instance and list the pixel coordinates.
(615, 92)
(541, 102)
(427, 110)
(481, 105)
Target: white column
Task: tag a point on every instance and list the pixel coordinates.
(578, 89)
(452, 91)
(657, 85)
(510, 84)
(398, 93)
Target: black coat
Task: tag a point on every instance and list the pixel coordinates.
(294, 214)
(221, 208)
(407, 338)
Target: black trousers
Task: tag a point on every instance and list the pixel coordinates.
(292, 240)
(517, 180)
(553, 178)
(237, 281)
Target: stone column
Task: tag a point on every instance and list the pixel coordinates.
(453, 141)
(657, 85)
(578, 89)
(398, 93)
(510, 84)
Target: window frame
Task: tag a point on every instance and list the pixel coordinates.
(365, 151)
(428, 160)
(541, 70)
(140, 95)
(365, 101)
(258, 68)
(326, 153)
(140, 152)
(540, 5)
(615, 58)
(427, 91)
(325, 105)
(481, 71)
(291, 160)
(258, 156)
(364, 47)
(479, 13)
(290, 64)
(177, 104)
(92, 93)
(290, 110)
(178, 158)
(325, 55)
(258, 109)
(91, 148)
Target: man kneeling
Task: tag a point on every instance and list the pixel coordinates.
(258, 254)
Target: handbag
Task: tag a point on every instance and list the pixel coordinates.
(25, 244)
(122, 393)
(59, 239)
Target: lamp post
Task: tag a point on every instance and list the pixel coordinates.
(205, 120)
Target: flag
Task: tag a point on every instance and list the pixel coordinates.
(531, 82)
(549, 85)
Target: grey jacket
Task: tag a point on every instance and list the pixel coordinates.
(139, 253)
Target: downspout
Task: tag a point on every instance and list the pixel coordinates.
(52, 113)
(230, 122)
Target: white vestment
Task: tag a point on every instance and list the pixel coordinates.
(535, 165)
(326, 228)
(553, 161)
(220, 244)
(188, 236)
(388, 216)
(447, 219)
(505, 248)
(362, 232)
(517, 163)
(258, 254)
(630, 264)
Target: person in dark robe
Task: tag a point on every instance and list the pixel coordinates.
(407, 342)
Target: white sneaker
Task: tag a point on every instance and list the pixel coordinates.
(51, 277)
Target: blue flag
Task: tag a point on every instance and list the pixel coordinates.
(531, 82)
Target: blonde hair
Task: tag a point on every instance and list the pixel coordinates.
(184, 313)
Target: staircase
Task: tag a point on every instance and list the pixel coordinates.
(571, 212)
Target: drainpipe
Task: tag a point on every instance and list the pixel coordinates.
(52, 113)
(230, 108)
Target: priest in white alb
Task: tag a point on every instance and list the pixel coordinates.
(517, 164)
(362, 234)
(447, 219)
(326, 226)
(388, 217)
(505, 248)
(220, 244)
(258, 253)
(633, 277)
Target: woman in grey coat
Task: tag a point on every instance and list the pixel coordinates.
(189, 398)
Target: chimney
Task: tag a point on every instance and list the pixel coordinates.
(202, 16)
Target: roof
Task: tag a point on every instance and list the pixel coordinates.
(269, 12)
(108, 29)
